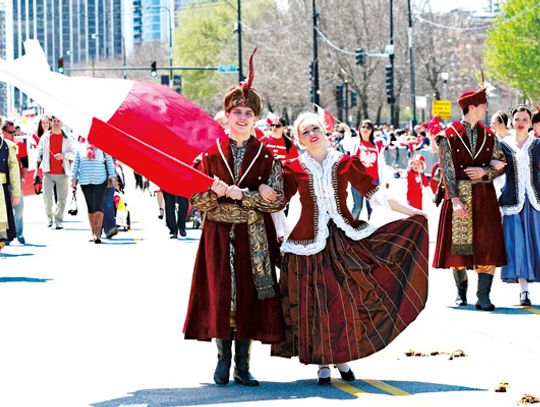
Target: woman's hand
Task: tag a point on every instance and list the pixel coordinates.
(497, 165)
(267, 193)
(74, 182)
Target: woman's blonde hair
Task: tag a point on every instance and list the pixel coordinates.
(300, 119)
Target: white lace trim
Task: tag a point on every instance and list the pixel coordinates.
(323, 179)
(525, 188)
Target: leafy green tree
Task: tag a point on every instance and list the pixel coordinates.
(207, 37)
(512, 47)
(205, 30)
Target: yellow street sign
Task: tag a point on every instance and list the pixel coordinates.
(441, 108)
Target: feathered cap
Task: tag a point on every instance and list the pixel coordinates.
(244, 94)
(472, 97)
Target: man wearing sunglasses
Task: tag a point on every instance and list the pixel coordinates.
(10, 184)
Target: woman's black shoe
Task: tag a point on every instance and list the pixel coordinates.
(347, 376)
(524, 299)
(323, 381)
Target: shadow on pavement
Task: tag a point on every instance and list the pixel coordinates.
(23, 280)
(34, 245)
(518, 310)
(119, 241)
(16, 255)
(233, 394)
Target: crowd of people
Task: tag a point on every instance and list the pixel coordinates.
(61, 164)
(346, 288)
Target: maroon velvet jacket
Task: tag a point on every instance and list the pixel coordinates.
(209, 305)
(323, 196)
(488, 240)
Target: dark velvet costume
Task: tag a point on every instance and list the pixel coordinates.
(209, 309)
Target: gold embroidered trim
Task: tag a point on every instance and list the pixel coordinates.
(462, 229)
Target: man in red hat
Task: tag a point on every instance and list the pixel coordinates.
(234, 293)
(470, 234)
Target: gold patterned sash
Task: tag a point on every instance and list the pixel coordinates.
(258, 243)
(462, 229)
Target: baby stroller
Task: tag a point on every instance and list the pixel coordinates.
(194, 216)
(123, 218)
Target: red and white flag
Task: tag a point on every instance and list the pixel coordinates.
(326, 118)
(150, 128)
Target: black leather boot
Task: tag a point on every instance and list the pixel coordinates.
(462, 282)
(484, 288)
(241, 362)
(223, 368)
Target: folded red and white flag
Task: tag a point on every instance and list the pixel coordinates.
(150, 128)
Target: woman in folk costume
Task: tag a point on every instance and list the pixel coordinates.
(10, 188)
(347, 288)
(470, 230)
(520, 202)
(234, 292)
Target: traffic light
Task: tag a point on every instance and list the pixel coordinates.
(354, 98)
(311, 70)
(339, 95)
(177, 83)
(153, 69)
(390, 84)
(60, 65)
(359, 53)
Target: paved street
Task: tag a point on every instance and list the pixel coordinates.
(84, 324)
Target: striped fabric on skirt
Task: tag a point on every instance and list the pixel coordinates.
(353, 298)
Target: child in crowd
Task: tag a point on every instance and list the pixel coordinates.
(416, 181)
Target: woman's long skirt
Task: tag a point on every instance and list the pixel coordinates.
(354, 297)
(522, 240)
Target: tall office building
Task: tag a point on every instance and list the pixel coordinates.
(80, 31)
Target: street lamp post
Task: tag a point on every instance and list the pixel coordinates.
(124, 55)
(94, 36)
(411, 62)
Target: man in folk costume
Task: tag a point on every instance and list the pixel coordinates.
(470, 232)
(234, 292)
(10, 189)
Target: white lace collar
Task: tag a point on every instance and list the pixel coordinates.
(319, 168)
(511, 142)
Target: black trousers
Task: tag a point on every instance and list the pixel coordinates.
(175, 218)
